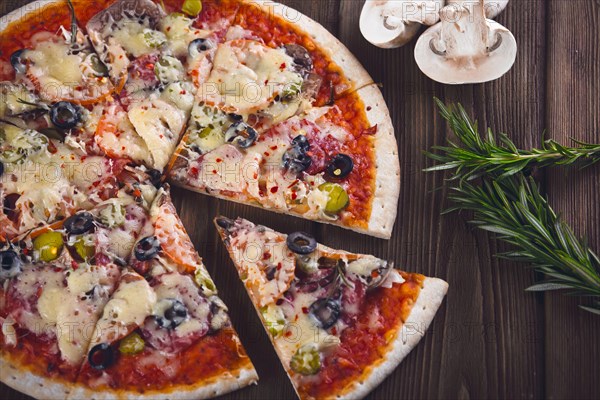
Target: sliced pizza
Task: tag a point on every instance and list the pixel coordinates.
(340, 322)
(165, 333)
(162, 58)
(285, 122)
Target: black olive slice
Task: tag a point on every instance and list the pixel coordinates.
(101, 356)
(340, 166)
(301, 243)
(241, 134)
(326, 312)
(79, 223)
(147, 248)
(174, 316)
(155, 177)
(65, 115)
(198, 46)
(18, 61)
(224, 223)
(10, 264)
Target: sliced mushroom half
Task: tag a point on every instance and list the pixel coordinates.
(390, 24)
(465, 47)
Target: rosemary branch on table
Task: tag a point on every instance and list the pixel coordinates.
(474, 155)
(506, 202)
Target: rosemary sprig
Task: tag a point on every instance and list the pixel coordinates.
(505, 202)
(516, 212)
(474, 155)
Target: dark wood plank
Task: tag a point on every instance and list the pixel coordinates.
(572, 345)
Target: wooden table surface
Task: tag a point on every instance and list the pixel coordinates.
(490, 339)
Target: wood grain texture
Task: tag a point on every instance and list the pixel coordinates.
(573, 104)
(490, 339)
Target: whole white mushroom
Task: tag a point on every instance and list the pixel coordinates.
(393, 23)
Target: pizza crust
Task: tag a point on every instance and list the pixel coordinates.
(217, 386)
(21, 379)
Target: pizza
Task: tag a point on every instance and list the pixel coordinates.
(340, 322)
(105, 103)
(116, 303)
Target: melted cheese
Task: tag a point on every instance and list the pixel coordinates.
(53, 65)
(247, 76)
(136, 38)
(180, 32)
(129, 306)
(159, 124)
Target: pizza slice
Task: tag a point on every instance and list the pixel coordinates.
(340, 322)
(165, 333)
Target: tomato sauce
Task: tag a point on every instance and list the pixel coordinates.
(364, 343)
(207, 359)
(38, 354)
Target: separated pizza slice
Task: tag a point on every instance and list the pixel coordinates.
(165, 333)
(340, 322)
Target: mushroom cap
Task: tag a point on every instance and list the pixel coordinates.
(492, 7)
(465, 47)
(393, 23)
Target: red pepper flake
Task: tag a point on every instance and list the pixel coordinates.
(369, 108)
(375, 274)
(282, 66)
(305, 310)
(274, 189)
(274, 147)
(219, 160)
(334, 330)
(194, 171)
(214, 171)
(267, 154)
(267, 255)
(279, 266)
(288, 333)
(294, 196)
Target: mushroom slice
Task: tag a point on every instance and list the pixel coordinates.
(465, 47)
(492, 7)
(390, 24)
